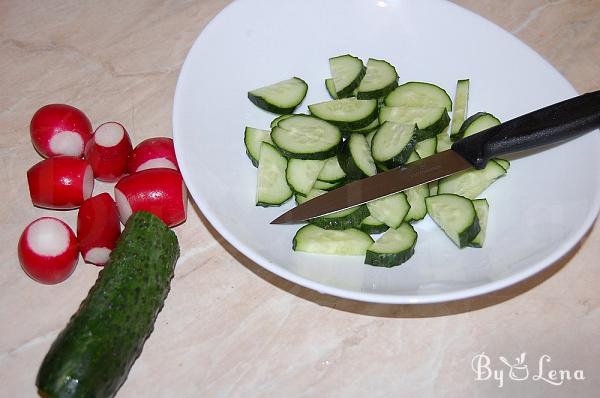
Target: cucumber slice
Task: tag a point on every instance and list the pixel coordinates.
(461, 99)
(419, 94)
(470, 183)
(326, 185)
(346, 113)
(301, 174)
(443, 141)
(331, 88)
(390, 210)
(482, 209)
(253, 138)
(342, 219)
(275, 121)
(474, 124)
(331, 171)
(271, 185)
(346, 71)
(373, 226)
(306, 137)
(393, 143)
(380, 78)
(426, 147)
(355, 157)
(433, 188)
(393, 248)
(348, 242)
(456, 216)
(430, 121)
(280, 97)
(374, 125)
(503, 162)
(416, 197)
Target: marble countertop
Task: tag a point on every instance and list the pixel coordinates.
(230, 328)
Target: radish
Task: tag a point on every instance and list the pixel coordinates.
(60, 182)
(108, 150)
(60, 129)
(153, 153)
(160, 191)
(48, 250)
(98, 228)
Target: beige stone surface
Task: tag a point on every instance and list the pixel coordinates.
(230, 328)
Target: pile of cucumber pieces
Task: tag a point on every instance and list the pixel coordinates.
(369, 125)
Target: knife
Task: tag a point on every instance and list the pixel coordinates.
(553, 124)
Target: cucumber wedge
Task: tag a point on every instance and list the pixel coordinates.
(346, 71)
(443, 141)
(348, 242)
(252, 140)
(327, 186)
(461, 99)
(355, 158)
(380, 78)
(374, 125)
(456, 216)
(390, 210)
(331, 88)
(416, 197)
(503, 162)
(306, 137)
(280, 97)
(393, 143)
(426, 147)
(331, 171)
(346, 113)
(482, 209)
(272, 188)
(474, 124)
(276, 121)
(301, 174)
(419, 94)
(430, 121)
(342, 219)
(471, 183)
(373, 226)
(393, 248)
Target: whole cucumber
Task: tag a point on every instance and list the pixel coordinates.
(92, 356)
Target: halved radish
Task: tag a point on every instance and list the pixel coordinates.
(48, 250)
(160, 191)
(108, 150)
(60, 182)
(98, 228)
(153, 153)
(60, 129)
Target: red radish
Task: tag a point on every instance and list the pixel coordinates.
(59, 129)
(98, 228)
(60, 182)
(158, 191)
(108, 150)
(153, 153)
(48, 250)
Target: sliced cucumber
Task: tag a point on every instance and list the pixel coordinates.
(430, 121)
(374, 125)
(474, 124)
(331, 88)
(379, 80)
(280, 97)
(326, 185)
(275, 121)
(271, 186)
(443, 141)
(355, 157)
(393, 143)
(306, 137)
(331, 171)
(253, 138)
(348, 242)
(433, 188)
(393, 248)
(461, 99)
(503, 162)
(371, 225)
(346, 71)
(301, 174)
(390, 210)
(470, 183)
(416, 197)
(456, 216)
(346, 113)
(426, 147)
(482, 209)
(419, 94)
(342, 219)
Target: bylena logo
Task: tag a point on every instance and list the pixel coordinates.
(518, 370)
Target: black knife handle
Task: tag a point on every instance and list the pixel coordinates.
(555, 123)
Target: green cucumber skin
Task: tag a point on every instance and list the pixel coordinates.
(373, 229)
(264, 105)
(434, 129)
(309, 156)
(376, 94)
(92, 356)
(465, 237)
(465, 125)
(348, 91)
(402, 157)
(353, 172)
(350, 221)
(389, 260)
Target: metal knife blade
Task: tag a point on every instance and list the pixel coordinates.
(377, 186)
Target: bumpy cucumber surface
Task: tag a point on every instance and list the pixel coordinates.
(92, 356)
